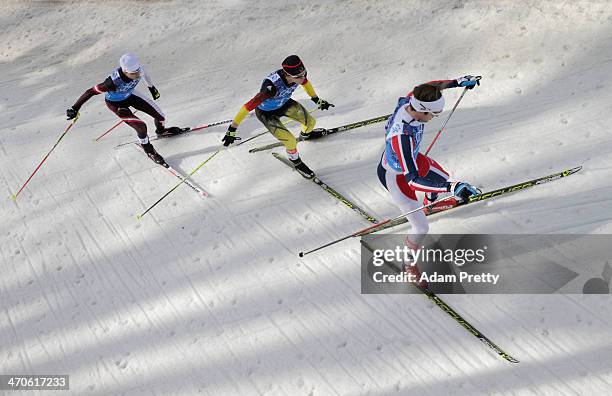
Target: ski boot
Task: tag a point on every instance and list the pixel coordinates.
(167, 132)
(303, 169)
(150, 151)
(314, 134)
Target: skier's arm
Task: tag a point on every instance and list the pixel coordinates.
(321, 104)
(268, 90)
(146, 77)
(149, 82)
(403, 146)
(309, 88)
(444, 84)
(105, 86)
(468, 82)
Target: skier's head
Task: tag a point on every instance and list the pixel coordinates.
(130, 65)
(293, 66)
(426, 102)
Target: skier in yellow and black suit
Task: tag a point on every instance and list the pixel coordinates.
(274, 101)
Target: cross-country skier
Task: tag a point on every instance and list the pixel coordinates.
(120, 95)
(274, 101)
(402, 170)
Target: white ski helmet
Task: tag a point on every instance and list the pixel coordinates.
(129, 63)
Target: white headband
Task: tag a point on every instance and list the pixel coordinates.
(427, 107)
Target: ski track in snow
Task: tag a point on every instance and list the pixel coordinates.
(208, 295)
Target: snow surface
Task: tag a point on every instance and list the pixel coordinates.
(208, 295)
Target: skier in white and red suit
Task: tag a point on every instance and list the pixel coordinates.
(403, 170)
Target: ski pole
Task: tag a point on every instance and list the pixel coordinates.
(191, 129)
(360, 232)
(192, 172)
(14, 196)
(181, 182)
(111, 128)
(203, 126)
(445, 122)
(196, 128)
(449, 116)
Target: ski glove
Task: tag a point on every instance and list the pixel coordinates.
(469, 81)
(322, 104)
(71, 113)
(230, 136)
(462, 190)
(154, 92)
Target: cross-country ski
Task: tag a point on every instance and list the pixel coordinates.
(316, 180)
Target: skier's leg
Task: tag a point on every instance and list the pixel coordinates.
(146, 105)
(273, 123)
(297, 112)
(123, 111)
(279, 131)
(405, 199)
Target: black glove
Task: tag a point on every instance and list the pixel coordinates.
(154, 93)
(230, 136)
(322, 104)
(71, 113)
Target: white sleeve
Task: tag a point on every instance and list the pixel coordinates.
(146, 77)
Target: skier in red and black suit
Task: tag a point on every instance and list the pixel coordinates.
(120, 95)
